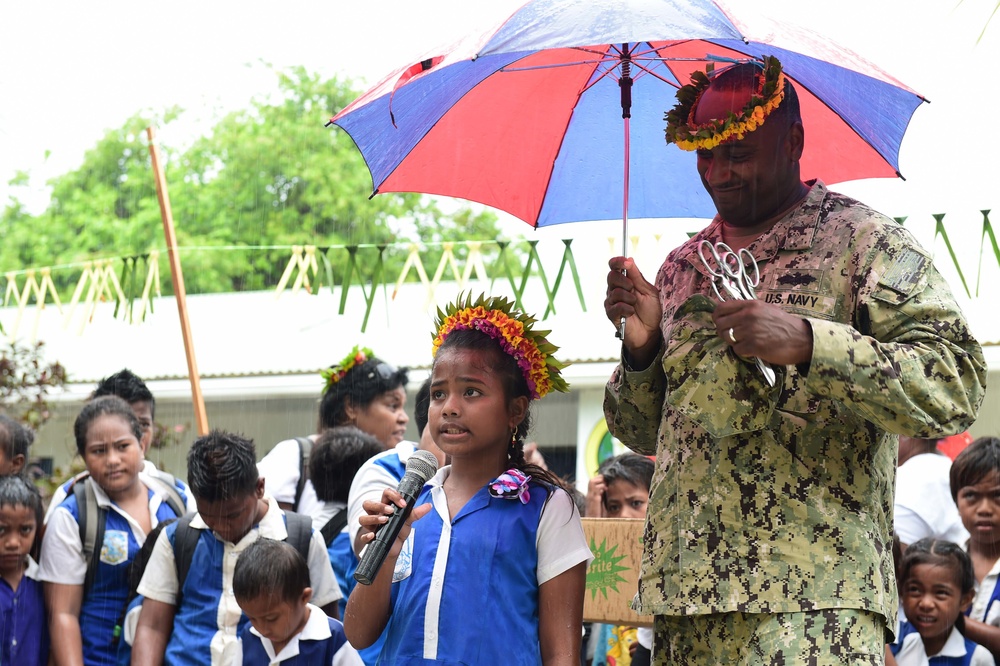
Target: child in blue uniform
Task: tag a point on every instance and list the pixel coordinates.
(129, 387)
(337, 456)
(621, 487)
(24, 634)
(192, 618)
(382, 471)
(83, 614)
(936, 583)
(493, 571)
(975, 487)
(271, 584)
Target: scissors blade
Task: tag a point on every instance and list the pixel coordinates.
(767, 371)
(734, 289)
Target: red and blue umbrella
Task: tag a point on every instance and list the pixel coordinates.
(556, 114)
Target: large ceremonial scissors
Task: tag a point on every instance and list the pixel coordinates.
(732, 280)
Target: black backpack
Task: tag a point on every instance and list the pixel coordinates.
(93, 519)
(338, 521)
(299, 534)
(333, 526)
(298, 527)
(305, 448)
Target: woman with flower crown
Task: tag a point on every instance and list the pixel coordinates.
(494, 570)
(361, 390)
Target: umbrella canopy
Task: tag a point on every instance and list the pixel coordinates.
(527, 117)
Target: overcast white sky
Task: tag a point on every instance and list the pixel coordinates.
(69, 71)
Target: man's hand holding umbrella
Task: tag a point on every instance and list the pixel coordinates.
(632, 297)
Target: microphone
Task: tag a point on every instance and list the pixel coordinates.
(420, 467)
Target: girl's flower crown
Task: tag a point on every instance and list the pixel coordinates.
(682, 130)
(495, 316)
(335, 373)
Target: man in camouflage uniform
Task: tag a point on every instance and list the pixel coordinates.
(768, 537)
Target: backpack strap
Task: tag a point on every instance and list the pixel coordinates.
(171, 495)
(299, 530)
(305, 448)
(92, 522)
(185, 542)
(337, 522)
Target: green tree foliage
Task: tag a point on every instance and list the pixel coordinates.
(25, 381)
(268, 175)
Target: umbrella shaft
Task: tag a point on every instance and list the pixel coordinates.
(625, 189)
(621, 324)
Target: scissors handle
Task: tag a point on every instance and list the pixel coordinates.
(722, 278)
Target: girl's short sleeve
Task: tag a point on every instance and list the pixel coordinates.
(62, 560)
(560, 541)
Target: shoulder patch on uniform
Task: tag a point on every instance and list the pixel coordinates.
(906, 270)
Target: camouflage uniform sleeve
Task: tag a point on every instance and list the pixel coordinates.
(633, 405)
(909, 364)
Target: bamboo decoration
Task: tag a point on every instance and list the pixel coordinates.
(40, 289)
(303, 260)
(177, 278)
(152, 281)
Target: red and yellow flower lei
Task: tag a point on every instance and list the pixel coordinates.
(683, 131)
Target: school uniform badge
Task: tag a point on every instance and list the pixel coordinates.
(114, 550)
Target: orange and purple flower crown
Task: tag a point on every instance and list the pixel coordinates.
(514, 331)
(683, 131)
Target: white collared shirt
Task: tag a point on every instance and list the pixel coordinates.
(159, 581)
(62, 553)
(317, 628)
(984, 591)
(148, 469)
(912, 652)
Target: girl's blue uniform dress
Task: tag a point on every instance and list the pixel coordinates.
(103, 603)
(467, 589)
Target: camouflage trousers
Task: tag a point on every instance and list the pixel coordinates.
(820, 638)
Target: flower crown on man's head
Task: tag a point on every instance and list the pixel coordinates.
(683, 131)
(496, 317)
(335, 373)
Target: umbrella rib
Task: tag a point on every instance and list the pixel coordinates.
(594, 51)
(636, 54)
(654, 74)
(607, 72)
(553, 66)
(598, 62)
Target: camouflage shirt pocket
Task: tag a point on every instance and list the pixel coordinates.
(795, 398)
(903, 276)
(706, 381)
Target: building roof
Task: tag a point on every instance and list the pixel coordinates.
(261, 337)
(277, 343)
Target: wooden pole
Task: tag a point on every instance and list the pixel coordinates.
(177, 277)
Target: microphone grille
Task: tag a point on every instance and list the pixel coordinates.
(422, 463)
